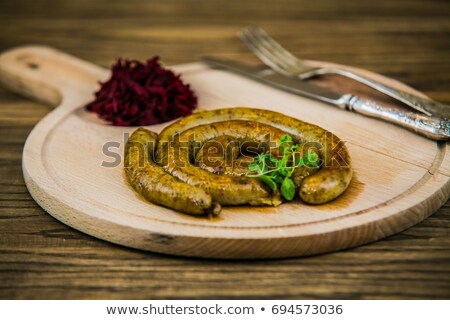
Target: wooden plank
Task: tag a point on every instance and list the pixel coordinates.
(407, 40)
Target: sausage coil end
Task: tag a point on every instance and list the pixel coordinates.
(156, 185)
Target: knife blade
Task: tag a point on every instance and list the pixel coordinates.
(430, 127)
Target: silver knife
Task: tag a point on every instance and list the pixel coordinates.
(430, 127)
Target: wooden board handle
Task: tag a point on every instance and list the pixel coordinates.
(48, 75)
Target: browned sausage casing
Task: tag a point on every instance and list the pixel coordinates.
(179, 155)
(156, 185)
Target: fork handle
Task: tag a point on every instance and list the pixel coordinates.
(430, 127)
(426, 106)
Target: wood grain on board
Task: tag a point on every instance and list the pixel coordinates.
(406, 40)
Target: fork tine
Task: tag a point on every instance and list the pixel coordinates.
(265, 55)
(259, 43)
(273, 46)
(287, 63)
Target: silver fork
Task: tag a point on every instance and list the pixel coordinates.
(283, 62)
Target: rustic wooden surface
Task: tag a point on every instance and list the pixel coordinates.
(397, 182)
(42, 258)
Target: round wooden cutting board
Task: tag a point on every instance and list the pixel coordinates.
(72, 164)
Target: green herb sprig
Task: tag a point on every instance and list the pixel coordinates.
(277, 172)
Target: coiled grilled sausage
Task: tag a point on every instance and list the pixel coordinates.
(325, 185)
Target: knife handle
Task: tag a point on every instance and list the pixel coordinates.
(424, 105)
(430, 127)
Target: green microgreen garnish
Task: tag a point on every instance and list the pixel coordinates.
(277, 172)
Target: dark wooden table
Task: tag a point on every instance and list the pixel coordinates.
(41, 258)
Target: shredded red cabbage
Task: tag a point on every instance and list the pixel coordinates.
(142, 94)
